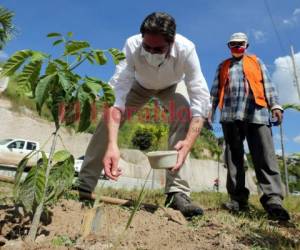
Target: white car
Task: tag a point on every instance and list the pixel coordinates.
(78, 165)
(12, 151)
(296, 193)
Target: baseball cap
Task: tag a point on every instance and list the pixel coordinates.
(238, 37)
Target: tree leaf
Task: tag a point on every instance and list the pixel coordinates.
(291, 106)
(100, 57)
(61, 63)
(85, 110)
(19, 172)
(7, 27)
(44, 158)
(96, 87)
(74, 46)
(57, 42)
(38, 56)
(78, 57)
(33, 187)
(56, 100)
(30, 75)
(117, 55)
(90, 59)
(41, 91)
(91, 86)
(70, 112)
(108, 94)
(70, 34)
(85, 117)
(61, 155)
(15, 62)
(54, 34)
(60, 179)
(64, 82)
(20, 169)
(51, 68)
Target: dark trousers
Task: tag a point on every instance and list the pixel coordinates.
(259, 138)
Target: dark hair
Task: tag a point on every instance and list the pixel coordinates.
(159, 23)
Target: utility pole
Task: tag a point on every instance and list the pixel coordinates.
(295, 72)
(286, 173)
(287, 191)
(217, 181)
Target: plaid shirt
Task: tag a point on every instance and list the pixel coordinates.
(239, 103)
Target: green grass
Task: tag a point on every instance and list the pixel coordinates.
(62, 240)
(252, 229)
(206, 199)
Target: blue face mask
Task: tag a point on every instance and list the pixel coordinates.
(154, 60)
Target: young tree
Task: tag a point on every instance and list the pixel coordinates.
(70, 97)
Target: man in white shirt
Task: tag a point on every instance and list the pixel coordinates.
(157, 60)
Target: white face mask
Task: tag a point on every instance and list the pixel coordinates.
(154, 60)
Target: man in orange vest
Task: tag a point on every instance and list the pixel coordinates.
(244, 94)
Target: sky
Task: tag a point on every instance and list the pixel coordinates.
(271, 25)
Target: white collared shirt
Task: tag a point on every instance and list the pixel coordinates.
(182, 64)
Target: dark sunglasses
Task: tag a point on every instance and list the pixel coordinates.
(155, 50)
(236, 44)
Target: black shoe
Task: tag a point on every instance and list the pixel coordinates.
(235, 206)
(183, 203)
(277, 212)
(85, 195)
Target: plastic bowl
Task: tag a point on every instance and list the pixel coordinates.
(162, 159)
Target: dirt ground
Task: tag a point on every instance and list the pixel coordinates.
(149, 230)
(152, 227)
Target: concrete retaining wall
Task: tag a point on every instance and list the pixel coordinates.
(134, 163)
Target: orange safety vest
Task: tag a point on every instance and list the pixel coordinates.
(252, 73)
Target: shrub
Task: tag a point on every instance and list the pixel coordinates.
(142, 139)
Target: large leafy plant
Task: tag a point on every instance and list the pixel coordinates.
(6, 26)
(52, 82)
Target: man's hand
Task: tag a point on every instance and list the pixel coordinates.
(183, 148)
(278, 114)
(111, 161)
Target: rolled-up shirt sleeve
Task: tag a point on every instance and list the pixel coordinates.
(123, 78)
(196, 86)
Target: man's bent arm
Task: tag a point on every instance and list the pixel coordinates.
(113, 123)
(184, 147)
(194, 130)
(112, 154)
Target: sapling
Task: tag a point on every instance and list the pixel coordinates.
(54, 83)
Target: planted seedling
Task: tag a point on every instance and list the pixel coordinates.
(54, 83)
